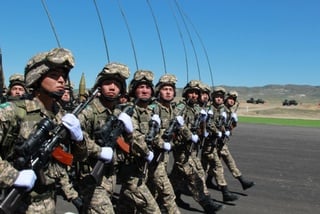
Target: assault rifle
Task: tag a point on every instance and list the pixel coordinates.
(36, 152)
(115, 127)
(154, 129)
(194, 128)
(228, 125)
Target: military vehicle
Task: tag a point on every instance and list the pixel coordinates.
(289, 102)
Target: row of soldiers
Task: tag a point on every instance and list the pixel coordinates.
(108, 142)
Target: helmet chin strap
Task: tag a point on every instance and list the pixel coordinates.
(54, 94)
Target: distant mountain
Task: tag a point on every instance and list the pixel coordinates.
(277, 93)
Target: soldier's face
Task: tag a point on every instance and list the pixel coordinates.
(218, 99)
(204, 97)
(230, 101)
(110, 88)
(143, 91)
(17, 90)
(193, 96)
(66, 96)
(167, 93)
(54, 81)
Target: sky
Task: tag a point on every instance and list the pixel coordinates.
(230, 42)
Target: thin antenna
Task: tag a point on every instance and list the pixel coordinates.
(129, 32)
(156, 25)
(191, 41)
(102, 29)
(203, 47)
(51, 23)
(182, 40)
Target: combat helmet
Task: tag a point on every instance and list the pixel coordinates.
(192, 85)
(141, 77)
(16, 79)
(218, 90)
(43, 62)
(206, 89)
(114, 71)
(232, 94)
(165, 80)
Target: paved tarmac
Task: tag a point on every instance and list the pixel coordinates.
(284, 162)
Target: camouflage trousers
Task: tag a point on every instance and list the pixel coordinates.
(211, 159)
(99, 200)
(161, 188)
(187, 171)
(43, 204)
(136, 197)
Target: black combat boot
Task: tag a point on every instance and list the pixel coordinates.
(227, 195)
(245, 183)
(211, 207)
(210, 184)
(179, 201)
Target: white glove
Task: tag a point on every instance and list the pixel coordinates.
(219, 134)
(204, 115)
(180, 120)
(126, 119)
(156, 118)
(224, 115)
(150, 156)
(234, 116)
(72, 123)
(206, 134)
(194, 138)
(227, 133)
(210, 112)
(166, 146)
(26, 178)
(106, 154)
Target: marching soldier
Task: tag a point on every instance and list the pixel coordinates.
(46, 74)
(112, 83)
(187, 165)
(158, 181)
(224, 152)
(134, 193)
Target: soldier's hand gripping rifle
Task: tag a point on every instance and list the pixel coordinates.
(36, 152)
(154, 129)
(229, 125)
(109, 140)
(194, 128)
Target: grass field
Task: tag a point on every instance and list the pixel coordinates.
(280, 121)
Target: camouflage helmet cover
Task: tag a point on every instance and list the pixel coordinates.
(16, 79)
(192, 85)
(140, 77)
(232, 94)
(41, 63)
(116, 71)
(165, 80)
(218, 90)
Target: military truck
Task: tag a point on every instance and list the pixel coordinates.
(257, 101)
(289, 102)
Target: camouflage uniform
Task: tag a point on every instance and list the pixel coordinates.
(224, 152)
(19, 119)
(158, 181)
(134, 193)
(213, 144)
(187, 165)
(92, 120)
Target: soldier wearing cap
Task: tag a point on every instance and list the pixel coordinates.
(134, 194)
(17, 87)
(231, 103)
(46, 74)
(187, 167)
(210, 157)
(158, 181)
(112, 84)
